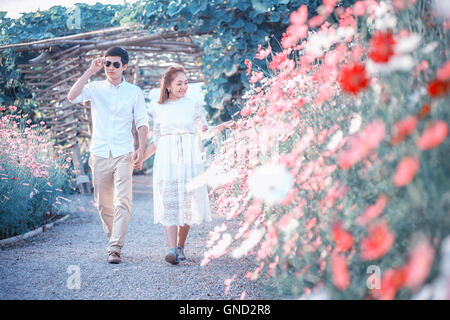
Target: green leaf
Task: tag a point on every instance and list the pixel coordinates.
(250, 27)
(173, 8)
(261, 6)
(196, 8)
(275, 16)
(239, 23)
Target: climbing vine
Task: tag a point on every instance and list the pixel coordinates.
(230, 32)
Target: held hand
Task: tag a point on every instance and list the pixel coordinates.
(138, 155)
(225, 125)
(96, 65)
(138, 165)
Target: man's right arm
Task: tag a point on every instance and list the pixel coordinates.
(77, 88)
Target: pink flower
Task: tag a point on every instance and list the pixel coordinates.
(406, 170)
(370, 138)
(403, 128)
(443, 74)
(294, 33)
(339, 269)
(329, 5)
(359, 8)
(433, 136)
(419, 264)
(12, 108)
(249, 66)
(246, 111)
(373, 211)
(263, 53)
(256, 76)
(277, 60)
(300, 16)
(316, 21)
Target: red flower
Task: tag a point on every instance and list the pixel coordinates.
(343, 239)
(353, 79)
(341, 277)
(406, 170)
(424, 111)
(438, 88)
(378, 242)
(403, 128)
(393, 279)
(382, 46)
(433, 135)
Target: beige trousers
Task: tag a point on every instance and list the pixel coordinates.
(112, 180)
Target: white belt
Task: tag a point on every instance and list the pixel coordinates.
(176, 134)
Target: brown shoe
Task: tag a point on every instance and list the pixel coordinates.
(114, 257)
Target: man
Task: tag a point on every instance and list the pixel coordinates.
(115, 104)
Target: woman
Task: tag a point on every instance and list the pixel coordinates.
(178, 121)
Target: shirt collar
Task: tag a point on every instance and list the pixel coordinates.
(110, 85)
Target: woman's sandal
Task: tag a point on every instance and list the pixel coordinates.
(172, 256)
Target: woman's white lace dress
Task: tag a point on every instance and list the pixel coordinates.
(176, 129)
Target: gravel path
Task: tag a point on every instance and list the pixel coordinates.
(46, 266)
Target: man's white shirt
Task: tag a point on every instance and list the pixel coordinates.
(112, 110)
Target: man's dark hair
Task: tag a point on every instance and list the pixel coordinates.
(117, 52)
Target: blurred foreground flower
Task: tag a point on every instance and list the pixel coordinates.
(270, 183)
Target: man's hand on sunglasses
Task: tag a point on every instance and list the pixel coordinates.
(97, 64)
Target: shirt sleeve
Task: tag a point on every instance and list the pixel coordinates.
(86, 94)
(140, 111)
(200, 123)
(156, 127)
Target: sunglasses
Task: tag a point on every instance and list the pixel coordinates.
(115, 64)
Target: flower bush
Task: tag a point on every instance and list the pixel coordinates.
(34, 175)
(339, 165)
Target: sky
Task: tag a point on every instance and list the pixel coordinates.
(16, 7)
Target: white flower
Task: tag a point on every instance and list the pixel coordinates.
(403, 62)
(337, 137)
(429, 48)
(382, 17)
(321, 41)
(441, 8)
(355, 124)
(407, 44)
(270, 183)
(246, 245)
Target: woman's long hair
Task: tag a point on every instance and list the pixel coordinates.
(167, 79)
